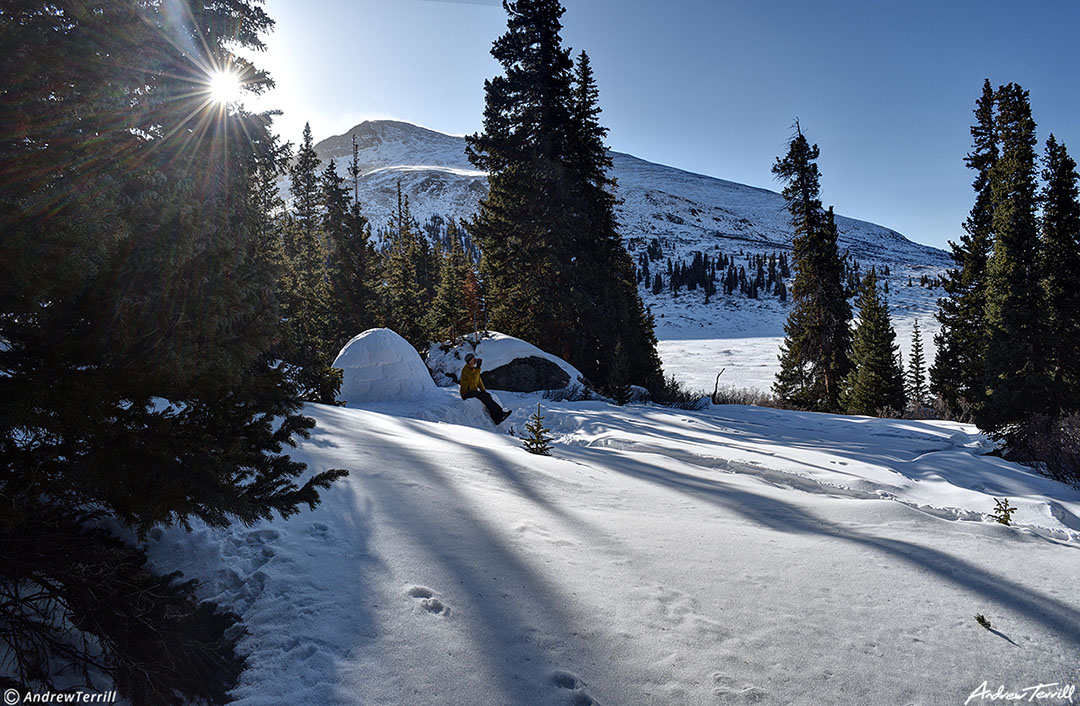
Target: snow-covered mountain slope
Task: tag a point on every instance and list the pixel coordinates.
(684, 212)
(734, 555)
(682, 208)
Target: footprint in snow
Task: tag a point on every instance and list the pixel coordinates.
(318, 530)
(429, 601)
(570, 682)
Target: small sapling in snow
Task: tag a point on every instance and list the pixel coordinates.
(981, 620)
(539, 442)
(1003, 512)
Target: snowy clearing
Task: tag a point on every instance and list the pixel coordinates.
(735, 555)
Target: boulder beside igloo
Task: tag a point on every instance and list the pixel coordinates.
(380, 366)
(509, 364)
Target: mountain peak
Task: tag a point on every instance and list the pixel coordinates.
(388, 143)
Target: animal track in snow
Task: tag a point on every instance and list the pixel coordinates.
(319, 530)
(429, 601)
(570, 682)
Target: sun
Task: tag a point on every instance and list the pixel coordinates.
(224, 87)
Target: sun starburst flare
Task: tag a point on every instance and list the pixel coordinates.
(225, 87)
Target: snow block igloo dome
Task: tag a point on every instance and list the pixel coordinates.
(381, 366)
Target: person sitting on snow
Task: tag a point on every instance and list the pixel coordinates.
(473, 386)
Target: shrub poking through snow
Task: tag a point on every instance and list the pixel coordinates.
(539, 442)
(1003, 511)
(981, 620)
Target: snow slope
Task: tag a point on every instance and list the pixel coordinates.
(736, 555)
(686, 211)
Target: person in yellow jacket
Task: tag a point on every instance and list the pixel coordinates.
(473, 386)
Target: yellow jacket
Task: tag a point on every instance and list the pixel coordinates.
(470, 380)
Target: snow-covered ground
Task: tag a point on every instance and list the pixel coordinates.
(742, 336)
(734, 555)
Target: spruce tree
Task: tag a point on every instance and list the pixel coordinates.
(958, 375)
(619, 341)
(406, 298)
(354, 265)
(304, 185)
(311, 337)
(876, 382)
(554, 268)
(137, 388)
(474, 303)
(1061, 279)
(449, 317)
(916, 371)
(538, 442)
(814, 356)
(520, 227)
(1014, 295)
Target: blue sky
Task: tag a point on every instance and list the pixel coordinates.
(885, 89)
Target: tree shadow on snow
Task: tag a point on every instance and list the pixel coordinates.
(514, 617)
(1055, 616)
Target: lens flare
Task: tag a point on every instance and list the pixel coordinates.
(224, 87)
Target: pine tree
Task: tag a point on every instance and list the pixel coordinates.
(449, 317)
(916, 371)
(312, 333)
(622, 329)
(474, 303)
(354, 265)
(1014, 296)
(547, 229)
(405, 260)
(1061, 278)
(136, 377)
(304, 186)
(814, 356)
(876, 382)
(538, 442)
(520, 226)
(333, 202)
(958, 376)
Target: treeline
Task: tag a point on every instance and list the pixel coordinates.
(1010, 328)
(928, 282)
(1007, 350)
(749, 275)
(713, 275)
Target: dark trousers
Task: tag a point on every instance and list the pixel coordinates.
(493, 407)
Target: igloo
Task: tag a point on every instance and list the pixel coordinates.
(381, 366)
